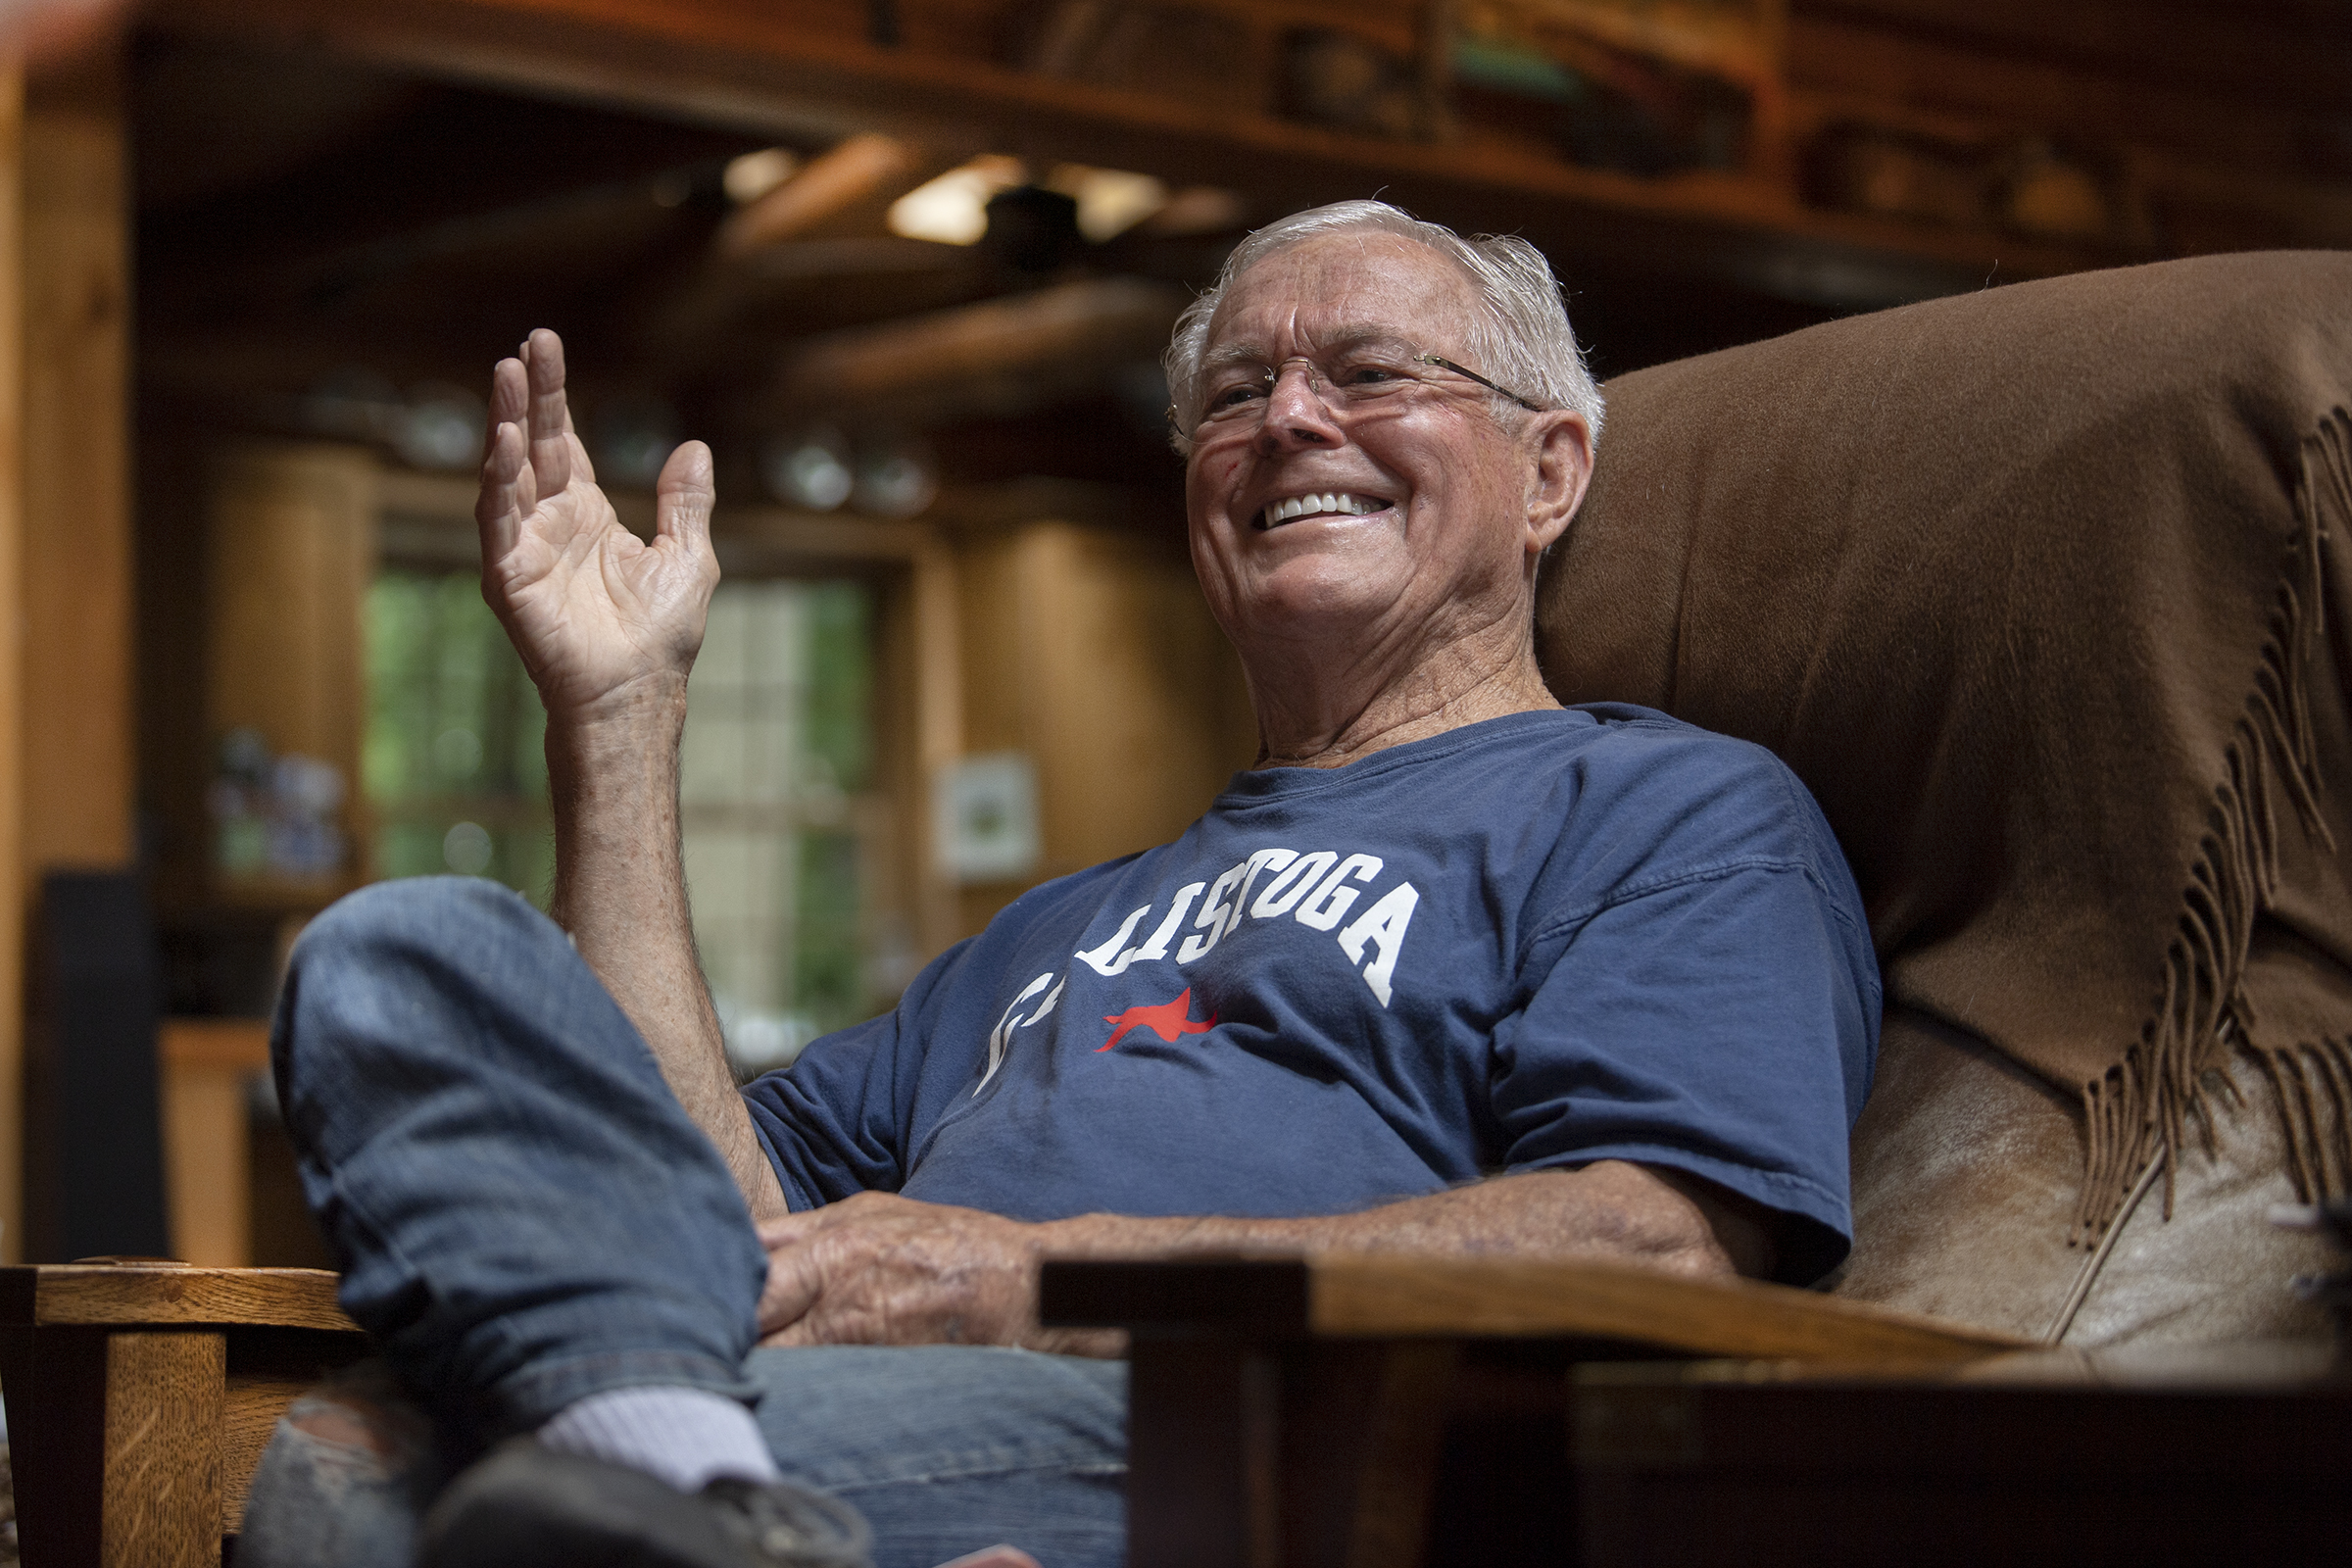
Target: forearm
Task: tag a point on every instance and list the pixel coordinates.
(1607, 1211)
(621, 891)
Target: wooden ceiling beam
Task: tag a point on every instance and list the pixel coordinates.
(765, 68)
(856, 175)
(995, 356)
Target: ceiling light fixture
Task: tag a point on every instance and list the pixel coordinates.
(1111, 201)
(754, 175)
(953, 210)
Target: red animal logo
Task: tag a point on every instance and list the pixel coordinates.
(1170, 1020)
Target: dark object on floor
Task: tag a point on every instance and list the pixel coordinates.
(527, 1505)
(94, 1160)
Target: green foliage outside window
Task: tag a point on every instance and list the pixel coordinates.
(777, 783)
(452, 761)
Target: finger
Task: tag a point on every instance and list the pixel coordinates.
(683, 498)
(497, 512)
(993, 1557)
(551, 442)
(794, 1282)
(509, 393)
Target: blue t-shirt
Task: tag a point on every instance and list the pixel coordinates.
(1534, 942)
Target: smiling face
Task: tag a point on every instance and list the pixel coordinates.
(1366, 502)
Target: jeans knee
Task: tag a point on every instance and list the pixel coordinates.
(385, 918)
(394, 945)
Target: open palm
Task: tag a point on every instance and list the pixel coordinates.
(598, 615)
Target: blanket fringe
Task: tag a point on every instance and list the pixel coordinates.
(2314, 1084)
(2142, 1106)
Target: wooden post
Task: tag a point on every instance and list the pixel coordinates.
(12, 759)
(292, 530)
(163, 1450)
(66, 534)
(75, 551)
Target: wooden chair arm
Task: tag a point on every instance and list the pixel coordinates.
(156, 1295)
(141, 1394)
(1391, 1295)
(1289, 1409)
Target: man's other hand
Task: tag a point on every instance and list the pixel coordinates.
(600, 618)
(880, 1270)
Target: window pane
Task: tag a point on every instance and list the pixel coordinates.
(778, 760)
(452, 760)
(774, 783)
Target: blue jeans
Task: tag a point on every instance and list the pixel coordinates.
(524, 1216)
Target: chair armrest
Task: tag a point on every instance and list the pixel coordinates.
(1388, 1296)
(125, 1295)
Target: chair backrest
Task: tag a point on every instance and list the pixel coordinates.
(2046, 594)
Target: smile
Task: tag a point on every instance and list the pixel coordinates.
(1328, 504)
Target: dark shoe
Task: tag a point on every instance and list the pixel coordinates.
(528, 1505)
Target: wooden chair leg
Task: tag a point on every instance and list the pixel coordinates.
(1281, 1454)
(116, 1439)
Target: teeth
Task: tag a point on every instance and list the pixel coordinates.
(1307, 506)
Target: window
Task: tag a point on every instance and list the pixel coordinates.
(452, 761)
(776, 786)
(781, 816)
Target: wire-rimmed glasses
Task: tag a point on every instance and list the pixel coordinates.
(1345, 382)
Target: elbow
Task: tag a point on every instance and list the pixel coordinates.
(1681, 1224)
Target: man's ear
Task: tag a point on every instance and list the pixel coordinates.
(1563, 468)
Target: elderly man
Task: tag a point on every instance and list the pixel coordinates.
(1451, 968)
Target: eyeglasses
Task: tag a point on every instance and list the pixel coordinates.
(1349, 381)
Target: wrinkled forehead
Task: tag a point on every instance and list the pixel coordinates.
(1337, 290)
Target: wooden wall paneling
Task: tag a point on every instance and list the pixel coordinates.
(939, 728)
(1090, 648)
(919, 720)
(1137, 733)
(291, 551)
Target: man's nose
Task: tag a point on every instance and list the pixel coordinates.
(1295, 413)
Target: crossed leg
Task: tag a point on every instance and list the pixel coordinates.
(525, 1217)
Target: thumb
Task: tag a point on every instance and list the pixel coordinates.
(794, 1282)
(684, 497)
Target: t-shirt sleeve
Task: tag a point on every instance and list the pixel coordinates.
(837, 1121)
(1721, 1022)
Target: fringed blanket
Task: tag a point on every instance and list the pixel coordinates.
(2046, 593)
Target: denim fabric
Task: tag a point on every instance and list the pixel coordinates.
(524, 1216)
(524, 1213)
(345, 1481)
(945, 1449)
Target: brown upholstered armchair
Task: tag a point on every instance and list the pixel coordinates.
(2046, 593)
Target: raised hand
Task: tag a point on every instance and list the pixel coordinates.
(600, 618)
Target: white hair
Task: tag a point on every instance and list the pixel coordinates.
(1521, 340)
